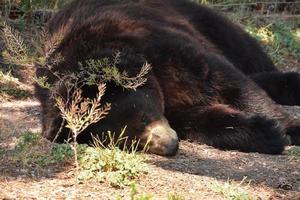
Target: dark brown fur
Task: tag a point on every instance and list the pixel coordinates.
(199, 80)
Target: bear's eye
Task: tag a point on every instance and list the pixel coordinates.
(145, 119)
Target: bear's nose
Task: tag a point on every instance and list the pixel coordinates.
(161, 138)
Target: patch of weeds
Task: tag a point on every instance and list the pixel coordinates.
(232, 191)
(175, 196)
(32, 149)
(294, 153)
(26, 140)
(278, 38)
(109, 163)
(59, 153)
(134, 194)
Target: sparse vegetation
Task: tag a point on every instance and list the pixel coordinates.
(134, 194)
(278, 38)
(105, 163)
(31, 149)
(231, 190)
(294, 153)
(175, 196)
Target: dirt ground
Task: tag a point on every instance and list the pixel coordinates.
(187, 174)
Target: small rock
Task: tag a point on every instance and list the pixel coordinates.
(295, 173)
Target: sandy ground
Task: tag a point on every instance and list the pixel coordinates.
(189, 173)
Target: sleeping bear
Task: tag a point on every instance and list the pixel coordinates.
(210, 82)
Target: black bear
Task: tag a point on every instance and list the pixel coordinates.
(210, 81)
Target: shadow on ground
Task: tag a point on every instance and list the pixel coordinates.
(275, 171)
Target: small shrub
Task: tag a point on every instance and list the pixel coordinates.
(16, 51)
(118, 166)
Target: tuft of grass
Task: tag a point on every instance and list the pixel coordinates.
(110, 163)
(31, 149)
(175, 196)
(294, 153)
(134, 194)
(232, 191)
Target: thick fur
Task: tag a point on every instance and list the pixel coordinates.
(201, 78)
(283, 88)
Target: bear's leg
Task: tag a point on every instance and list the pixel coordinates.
(294, 133)
(227, 128)
(283, 88)
(237, 114)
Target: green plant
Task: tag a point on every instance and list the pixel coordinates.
(175, 196)
(134, 194)
(61, 152)
(26, 140)
(278, 38)
(109, 162)
(32, 149)
(81, 113)
(294, 153)
(105, 69)
(232, 191)
(16, 52)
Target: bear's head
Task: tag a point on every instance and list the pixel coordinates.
(142, 113)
